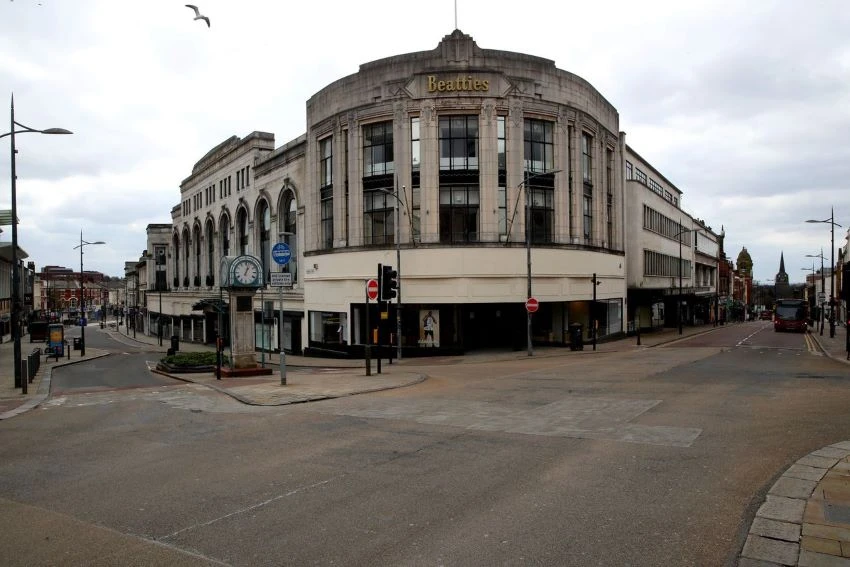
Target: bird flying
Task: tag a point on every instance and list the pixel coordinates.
(198, 15)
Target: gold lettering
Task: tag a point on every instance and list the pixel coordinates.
(467, 83)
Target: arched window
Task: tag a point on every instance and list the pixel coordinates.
(176, 246)
(288, 233)
(196, 237)
(265, 229)
(224, 233)
(210, 279)
(242, 231)
(186, 252)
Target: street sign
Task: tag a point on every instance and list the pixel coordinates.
(83, 322)
(372, 289)
(281, 253)
(531, 305)
(280, 279)
(822, 297)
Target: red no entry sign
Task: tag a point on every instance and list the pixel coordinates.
(372, 289)
(531, 305)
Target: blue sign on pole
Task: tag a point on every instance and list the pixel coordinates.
(281, 253)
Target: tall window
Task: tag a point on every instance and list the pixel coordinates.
(459, 179)
(586, 158)
(502, 195)
(159, 255)
(415, 190)
(187, 251)
(196, 236)
(326, 191)
(289, 214)
(210, 279)
(242, 231)
(459, 213)
(224, 234)
(539, 148)
(609, 202)
(176, 246)
(378, 170)
(264, 216)
(587, 211)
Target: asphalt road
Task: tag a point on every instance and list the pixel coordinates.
(656, 457)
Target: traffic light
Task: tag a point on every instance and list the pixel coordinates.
(389, 283)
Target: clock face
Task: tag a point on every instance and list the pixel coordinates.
(245, 273)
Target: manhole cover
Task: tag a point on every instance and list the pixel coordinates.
(836, 512)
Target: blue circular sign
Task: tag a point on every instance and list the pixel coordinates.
(281, 253)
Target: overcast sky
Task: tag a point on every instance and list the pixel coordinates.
(745, 106)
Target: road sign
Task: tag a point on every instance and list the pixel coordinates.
(531, 305)
(281, 253)
(822, 297)
(281, 279)
(372, 289)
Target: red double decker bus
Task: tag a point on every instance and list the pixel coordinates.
(791, 315)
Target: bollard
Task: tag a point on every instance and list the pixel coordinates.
(69, 349)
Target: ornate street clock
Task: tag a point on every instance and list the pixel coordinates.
(242, 276)
(244, 272)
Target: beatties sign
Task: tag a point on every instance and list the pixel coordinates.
(459, 84)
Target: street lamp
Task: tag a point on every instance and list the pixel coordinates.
(81, 245)
(16, 300)
(524, 185)
(678, 237)
(822, 286)
(833, 224)
(403, 202)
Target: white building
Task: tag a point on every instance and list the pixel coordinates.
(482, 156)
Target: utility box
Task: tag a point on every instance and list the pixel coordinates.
(175, 343)
(576, 336)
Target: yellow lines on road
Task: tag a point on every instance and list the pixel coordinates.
(811, 344)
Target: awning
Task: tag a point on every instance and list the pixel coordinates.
(213, 304)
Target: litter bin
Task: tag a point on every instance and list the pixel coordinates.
(175, 343)
(78, 343)
(576, 336)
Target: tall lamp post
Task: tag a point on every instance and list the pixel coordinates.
(833, 224)
(524, 185)
(402, 202)
(16, 292)
(81, 245)
(822, 286)
(679, 299)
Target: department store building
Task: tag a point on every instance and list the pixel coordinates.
(458, 161)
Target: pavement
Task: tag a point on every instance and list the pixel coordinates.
(804, 520)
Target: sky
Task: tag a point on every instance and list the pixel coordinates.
(744, 106)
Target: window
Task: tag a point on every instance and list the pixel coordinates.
(587, 158)
(264, 216)
(210, 253)
(587, 212)
(459, 143)
(540, 158)
(378, 181)
(628, 170)
(186, 253)
(378, 149)
(609, 201)
(378, 225)
(657, 264)
(539, 146)
(224, 233)
(196, 236)
(459, 213)
(242, 231)
(176, 245)
(415, 191)
(665, 226)
(159, 258)
(290, 233)
(502, 195)
(326, 192)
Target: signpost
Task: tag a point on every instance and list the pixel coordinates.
(372, 289)
(371, 295)
(281, 254)
(531, 305)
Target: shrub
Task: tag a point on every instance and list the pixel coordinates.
(184, 359)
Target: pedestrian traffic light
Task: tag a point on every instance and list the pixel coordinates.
(389, 283)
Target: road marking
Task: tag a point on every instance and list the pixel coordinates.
(745, 339)
(583, 417)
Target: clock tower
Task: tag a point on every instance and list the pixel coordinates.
(242, 276)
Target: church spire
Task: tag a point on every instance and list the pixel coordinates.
(781, 262)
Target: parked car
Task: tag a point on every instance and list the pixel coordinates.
(766, 315)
